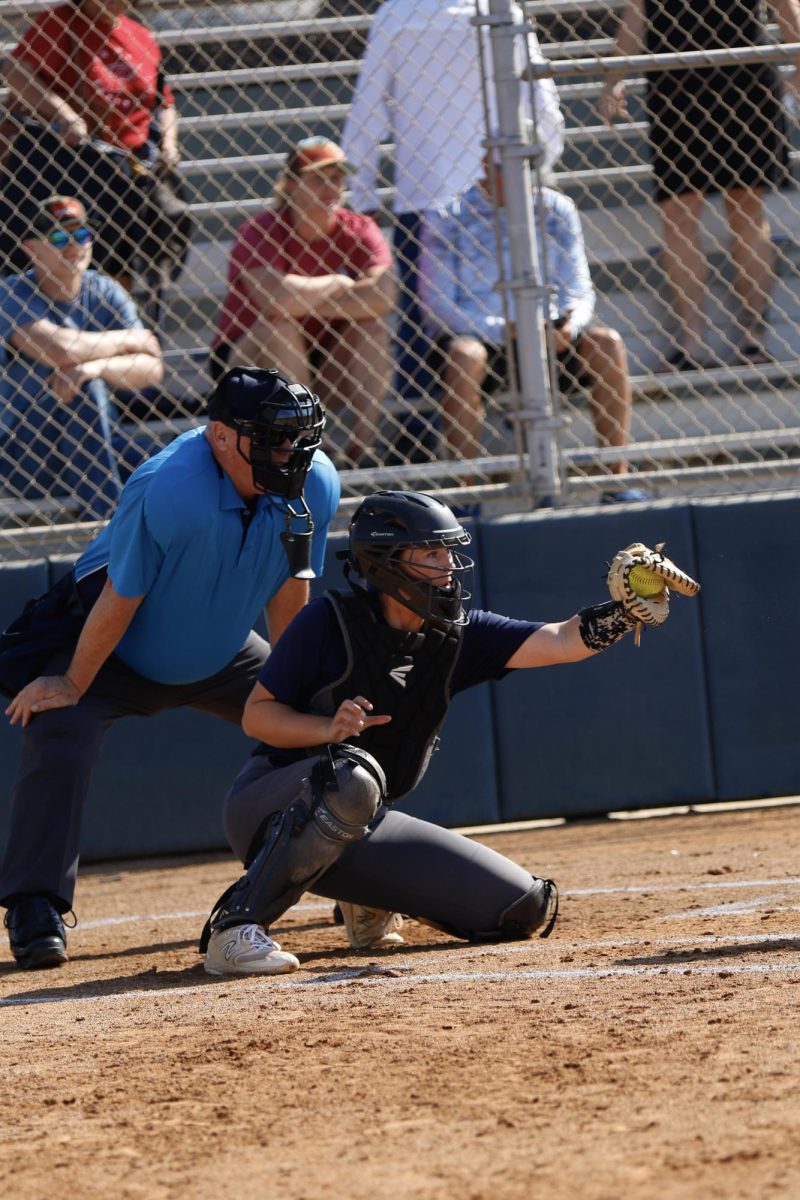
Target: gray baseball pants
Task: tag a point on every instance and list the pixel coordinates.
(60, 749)
(403, 864)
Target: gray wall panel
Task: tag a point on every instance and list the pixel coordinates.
(625, 729)
(752, 642)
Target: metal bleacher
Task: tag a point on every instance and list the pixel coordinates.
(251, 78)
(605, 171)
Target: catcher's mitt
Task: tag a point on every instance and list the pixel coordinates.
(650, 609)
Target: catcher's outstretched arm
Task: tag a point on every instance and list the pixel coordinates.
(601, 625)
(589, 631)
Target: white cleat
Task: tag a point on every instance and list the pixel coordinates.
(246, 950)
(371, 928)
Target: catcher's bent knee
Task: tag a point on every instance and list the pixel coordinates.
(298, 844)
(353, 804)
(537, 908)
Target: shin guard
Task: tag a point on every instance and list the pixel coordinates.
(339, 799)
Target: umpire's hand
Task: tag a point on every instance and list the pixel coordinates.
(48, 691)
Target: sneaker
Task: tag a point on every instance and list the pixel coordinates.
(371, 928)
(624, 496)
(36, 933)
(246, 950)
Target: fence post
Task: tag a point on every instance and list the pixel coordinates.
(525, 285)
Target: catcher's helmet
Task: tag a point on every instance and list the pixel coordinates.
(270, 410)
(386, 523)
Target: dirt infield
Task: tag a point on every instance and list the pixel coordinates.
(648, 1049)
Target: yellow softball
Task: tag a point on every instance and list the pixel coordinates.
(644, 582)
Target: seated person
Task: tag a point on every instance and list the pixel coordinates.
(464, 313)
(89, 70)
(310, 289)
(67, 335)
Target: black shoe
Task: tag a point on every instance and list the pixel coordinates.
(36, 933)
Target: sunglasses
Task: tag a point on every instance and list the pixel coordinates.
(61, 238)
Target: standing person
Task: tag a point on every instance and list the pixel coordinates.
(157, 614)
(366, 678)
(711, 130)
(310, 290)
(466, 317)
(67, 335)
(420, 86)
(86, 69)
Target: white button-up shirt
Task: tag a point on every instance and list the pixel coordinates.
(420, 86)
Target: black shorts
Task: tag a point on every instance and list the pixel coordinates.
(572, 373)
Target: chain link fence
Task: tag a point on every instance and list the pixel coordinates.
(706, 343)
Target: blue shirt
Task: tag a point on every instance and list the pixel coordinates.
(178, 539)
(459, 266)
(311, 653)
(101, 305)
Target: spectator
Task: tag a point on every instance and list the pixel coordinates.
(711, 130)
(85, 69)
(420, 85)
(157, 613)
(67, 335)
(310, 288)
(466, 316)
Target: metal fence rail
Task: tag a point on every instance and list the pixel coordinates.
(249, 87)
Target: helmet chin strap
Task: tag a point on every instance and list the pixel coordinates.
(298, 544)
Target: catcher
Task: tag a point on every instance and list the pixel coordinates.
(347, 710)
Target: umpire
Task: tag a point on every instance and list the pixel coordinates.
(156, 614)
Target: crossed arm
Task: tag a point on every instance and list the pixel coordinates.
(30, 92)
(124, 358)
(329, 297)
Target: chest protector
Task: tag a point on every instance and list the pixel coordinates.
(405, 675)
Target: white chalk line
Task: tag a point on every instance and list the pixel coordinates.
(405, 977)
(692, 886)
(630, 889)
(701, 940)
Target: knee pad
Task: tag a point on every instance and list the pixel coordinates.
(300, 843)
(353, 804)
(536, 908)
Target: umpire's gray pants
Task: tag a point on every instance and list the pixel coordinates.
(403, 864)
(60, 749)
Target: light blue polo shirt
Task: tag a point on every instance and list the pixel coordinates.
(177, 538)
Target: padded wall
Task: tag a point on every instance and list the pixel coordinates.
(460, 785)
(625, 729)
(703, 711)
(752, 641)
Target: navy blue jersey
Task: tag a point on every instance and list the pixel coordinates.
(311, 653)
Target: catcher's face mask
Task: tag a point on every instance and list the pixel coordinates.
(282, 441)
(282, 422)
(278, 427)
(405, 544)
